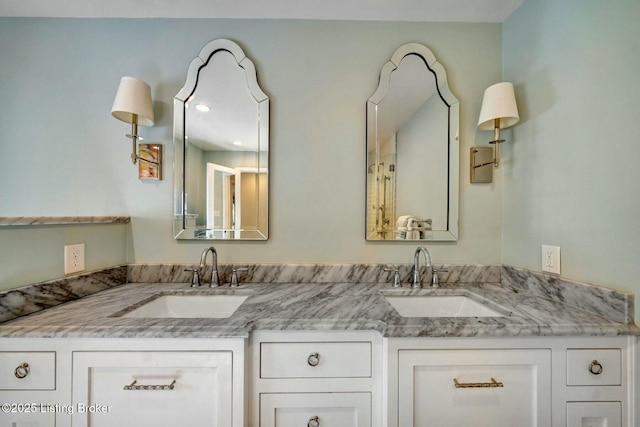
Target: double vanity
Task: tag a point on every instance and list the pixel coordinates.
(317, 346)
(319, 354)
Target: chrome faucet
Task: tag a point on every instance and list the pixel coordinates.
(214, 281)
(416, 266)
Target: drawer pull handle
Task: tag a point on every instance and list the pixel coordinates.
(22, 370)
(596, 368)
(492, 384)
(313, 359)
(135, 386)
(314, 422)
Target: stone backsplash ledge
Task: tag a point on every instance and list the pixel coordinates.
(30, 299)
(312, 273)
(609, 303)
(612, 304)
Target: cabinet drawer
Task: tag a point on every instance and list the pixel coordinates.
(27, 419)
(37, 369)
(583, 366)
(594, 414)
(315, 410)
(315, 360)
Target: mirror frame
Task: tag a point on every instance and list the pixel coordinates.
(180, 216)
(451, 233)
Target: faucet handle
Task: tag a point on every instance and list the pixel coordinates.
(195, 278)
(234, 276)
(396, 275)
(435, 282)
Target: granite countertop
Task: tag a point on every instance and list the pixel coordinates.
(312, 306)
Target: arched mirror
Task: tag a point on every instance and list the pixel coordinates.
(412, 151)
(221, 138)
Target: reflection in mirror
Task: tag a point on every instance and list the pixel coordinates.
(412, 151)
(221, 138)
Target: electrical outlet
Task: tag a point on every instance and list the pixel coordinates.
(551, 259)
(73, 258)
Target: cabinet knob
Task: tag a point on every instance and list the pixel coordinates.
(313, 360)
(22, 370)
(596, 368)
(314, 422)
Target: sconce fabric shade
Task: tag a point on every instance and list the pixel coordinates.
(133, 98)
(499, 102)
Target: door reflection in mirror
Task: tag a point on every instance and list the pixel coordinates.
(221, 135)
(412, 151)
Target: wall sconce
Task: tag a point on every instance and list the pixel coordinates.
(133, 105)
(498, 111)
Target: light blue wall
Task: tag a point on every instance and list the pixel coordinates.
(572, 170)
(33, 254)
(63, 153)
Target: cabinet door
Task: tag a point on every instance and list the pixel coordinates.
(494, 388)
(315, 410)
(152, 389)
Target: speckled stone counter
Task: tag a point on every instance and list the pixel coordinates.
(314, 306)
(40, 296)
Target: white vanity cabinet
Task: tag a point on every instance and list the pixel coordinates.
(315, 379)
(552, 381)
(127, 382)
(27, 388)
(318, 379)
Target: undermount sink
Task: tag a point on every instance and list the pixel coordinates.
(189, 306)
(438, 305)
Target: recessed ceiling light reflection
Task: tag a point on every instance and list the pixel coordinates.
(237, 143)
(202, 107)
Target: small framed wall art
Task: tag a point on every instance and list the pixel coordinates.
(150, 162)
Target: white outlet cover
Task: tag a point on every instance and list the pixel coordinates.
(73, 258)
(551, 259)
